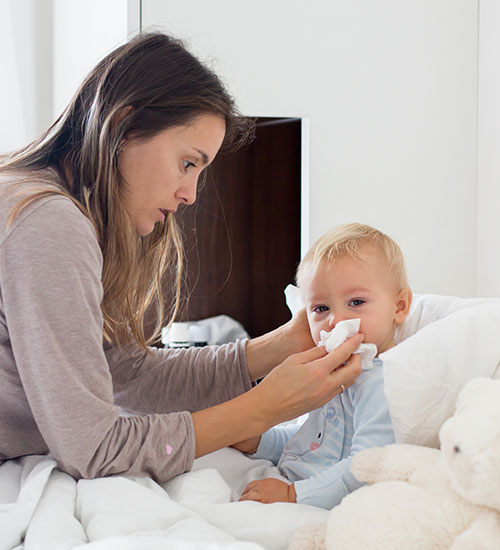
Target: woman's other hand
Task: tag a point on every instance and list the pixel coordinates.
(299, 332)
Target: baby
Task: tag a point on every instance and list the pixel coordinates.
(352, 272)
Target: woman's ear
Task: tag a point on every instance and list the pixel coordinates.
(120, 115)
(403, 303)
(117, 119)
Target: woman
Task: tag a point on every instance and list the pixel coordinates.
(87, 231)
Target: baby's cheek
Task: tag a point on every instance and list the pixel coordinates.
(315, 330)
(312, 328)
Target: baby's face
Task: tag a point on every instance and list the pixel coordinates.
(352, 289)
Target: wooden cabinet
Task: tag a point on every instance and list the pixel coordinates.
(243, 232)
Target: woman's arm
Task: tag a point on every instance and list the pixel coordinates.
(303, 382)
(168, 380)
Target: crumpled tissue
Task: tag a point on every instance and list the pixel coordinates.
(340, 333)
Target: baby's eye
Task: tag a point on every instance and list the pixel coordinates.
(356, 302)
(320, 309)
(187, 164)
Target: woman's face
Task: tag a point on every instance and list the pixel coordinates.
(162, 172)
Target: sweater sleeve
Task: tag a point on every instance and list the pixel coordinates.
(167, 380)
(50, 276)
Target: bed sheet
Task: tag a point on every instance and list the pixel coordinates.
(42, 508)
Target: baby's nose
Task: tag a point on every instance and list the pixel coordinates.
(337, 318)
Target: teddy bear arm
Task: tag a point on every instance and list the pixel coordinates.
(392, 462)
(482, 534)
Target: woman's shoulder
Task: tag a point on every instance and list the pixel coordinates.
(50, 232)
(44, 205)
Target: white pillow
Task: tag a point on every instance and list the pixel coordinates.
(445, 342)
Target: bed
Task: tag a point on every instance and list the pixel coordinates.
(445, 342)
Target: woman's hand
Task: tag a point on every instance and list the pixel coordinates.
(306, 381)
(303, 382)
(269, 490)
(298, 332)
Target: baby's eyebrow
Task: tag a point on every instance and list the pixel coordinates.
(357, 289)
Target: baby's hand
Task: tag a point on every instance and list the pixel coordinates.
(248, 446)
(269, 490)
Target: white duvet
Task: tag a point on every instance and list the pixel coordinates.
(49, 510)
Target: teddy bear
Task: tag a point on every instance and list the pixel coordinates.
(423, 498)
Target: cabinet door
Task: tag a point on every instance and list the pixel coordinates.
(243, 232)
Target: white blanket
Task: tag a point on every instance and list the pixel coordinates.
(49, 510)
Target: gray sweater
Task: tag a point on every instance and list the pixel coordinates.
(61, 390)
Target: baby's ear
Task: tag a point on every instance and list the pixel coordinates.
(403, 303)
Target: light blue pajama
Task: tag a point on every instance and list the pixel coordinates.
(317, 455)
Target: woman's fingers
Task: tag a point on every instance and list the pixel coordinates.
(307, 380)
(310, 354)
(343, 354)
(347, 372)
(341, 367)
(339, 355)
(342, 387)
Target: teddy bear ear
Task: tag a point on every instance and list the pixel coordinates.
(473, 390)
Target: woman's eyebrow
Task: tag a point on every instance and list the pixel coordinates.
(204, 156)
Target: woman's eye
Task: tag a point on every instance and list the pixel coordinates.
(188, 164)
(357, 302)
(320, 309)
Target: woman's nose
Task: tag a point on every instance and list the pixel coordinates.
(187, 193)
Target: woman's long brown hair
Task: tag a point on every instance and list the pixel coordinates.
(140, 89)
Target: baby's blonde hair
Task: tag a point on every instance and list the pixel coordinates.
(347, 240)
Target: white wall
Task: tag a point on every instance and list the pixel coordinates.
(46, 48)
(404, 133)
(26, 60)
(84, 32)
(390, 90)
(488, 207)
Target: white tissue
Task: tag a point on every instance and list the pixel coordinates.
(293, 298)
(342, 331)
